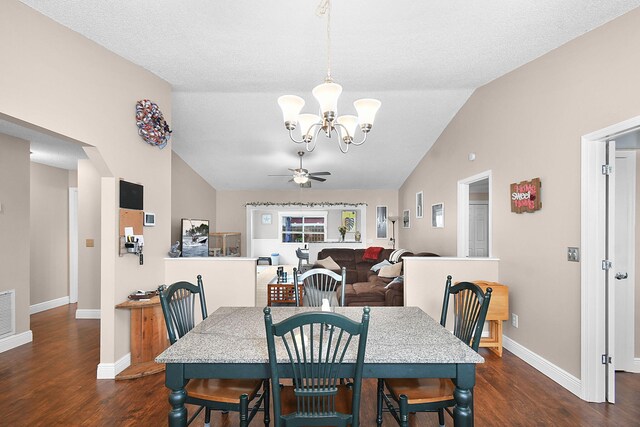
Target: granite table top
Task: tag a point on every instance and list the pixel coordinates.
(396, 335)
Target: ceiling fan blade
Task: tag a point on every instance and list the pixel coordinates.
(315, 178)
(319, 173)
(293, 170)
(291, 180)
(281, 175)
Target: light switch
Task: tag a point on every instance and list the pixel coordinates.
(90, 243)
(573, 254)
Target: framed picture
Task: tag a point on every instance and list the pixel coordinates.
(381, 222)
(406, 219)
(195, 237)
(437, 215)
(419, 204)
(266, 219)
(349, 220)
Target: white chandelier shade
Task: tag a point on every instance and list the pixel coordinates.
(327, 95)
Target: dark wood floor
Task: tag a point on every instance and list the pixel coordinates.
(52, 382)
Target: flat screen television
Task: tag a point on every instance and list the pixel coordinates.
(131, 195)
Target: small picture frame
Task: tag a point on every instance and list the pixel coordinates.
(266, 219)
(437, 215)
(406, 218)
(419, 204)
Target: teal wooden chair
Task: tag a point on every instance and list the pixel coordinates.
(319, 284)
(178, 307)
(407, 395)
(313, 346)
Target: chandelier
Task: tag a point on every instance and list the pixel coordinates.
(327, 95)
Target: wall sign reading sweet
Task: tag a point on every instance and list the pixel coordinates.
(525, 196)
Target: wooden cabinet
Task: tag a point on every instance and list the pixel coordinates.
(498, 312)
(148, 338)
(225, 244)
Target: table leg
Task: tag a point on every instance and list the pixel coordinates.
(175, 381)
(463, 394)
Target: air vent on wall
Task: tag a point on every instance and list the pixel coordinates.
(7, 313)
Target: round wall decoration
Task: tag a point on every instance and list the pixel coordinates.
(151, 124)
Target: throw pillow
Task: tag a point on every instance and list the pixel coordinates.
(372, 253)
(379, 265)
(328, 263)
(395, 255)
(399, 279)
(392, 270)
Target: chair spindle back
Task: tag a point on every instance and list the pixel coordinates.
(319, 284)
(178, 307)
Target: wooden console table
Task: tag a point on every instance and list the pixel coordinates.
(282, 293)
(148, 338)
(498, 312)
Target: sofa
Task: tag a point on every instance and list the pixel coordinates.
(364, 286)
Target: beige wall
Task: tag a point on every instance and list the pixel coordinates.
(192, 197)
(88, 229)
(49, 262)
(58, 80)
(14, 224)
(523, 125)
(231, 211)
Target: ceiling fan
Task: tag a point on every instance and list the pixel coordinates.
(302, 176)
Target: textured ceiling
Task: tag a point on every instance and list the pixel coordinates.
(229, 61)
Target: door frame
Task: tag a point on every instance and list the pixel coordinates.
(592, 279)
(73, 245)
(463, 213)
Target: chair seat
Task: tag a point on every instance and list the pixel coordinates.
(289, 404)
(226, 391)
(421, 390)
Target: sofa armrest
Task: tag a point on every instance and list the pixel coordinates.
(394, 296)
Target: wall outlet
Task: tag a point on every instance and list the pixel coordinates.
(573, 254)
(514, 320)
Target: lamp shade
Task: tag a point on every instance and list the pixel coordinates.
(350, 123)
(367, 109)
(291, 106)
(327, 95)
(306, 121)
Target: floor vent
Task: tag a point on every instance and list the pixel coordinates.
(7, 313)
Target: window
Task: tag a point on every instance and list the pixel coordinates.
(298, 227)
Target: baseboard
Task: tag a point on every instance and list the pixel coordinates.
(16, 340)
(47, 305)
(88, 313)
(108, 371)
(552, 371)
(636, 365)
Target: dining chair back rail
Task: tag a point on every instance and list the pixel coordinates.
(315, 344)
(319, 284)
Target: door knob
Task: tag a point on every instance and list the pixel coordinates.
(620, 276)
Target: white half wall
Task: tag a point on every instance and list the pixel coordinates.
(425, 278)
(228, 282)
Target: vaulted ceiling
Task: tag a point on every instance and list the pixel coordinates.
(229, 61)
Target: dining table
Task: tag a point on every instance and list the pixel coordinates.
(403, 342)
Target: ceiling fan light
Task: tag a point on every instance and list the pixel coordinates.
(327, 95)
(300, 179)
(350, 123)
(306, 122)
(291, 106)
(367, 109)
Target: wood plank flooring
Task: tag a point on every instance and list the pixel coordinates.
(51, 381)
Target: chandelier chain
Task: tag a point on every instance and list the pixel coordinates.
(324, 8)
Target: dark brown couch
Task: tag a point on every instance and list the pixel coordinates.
(364, 287)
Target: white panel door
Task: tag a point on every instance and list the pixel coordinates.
(623, 262)
(478, 230)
